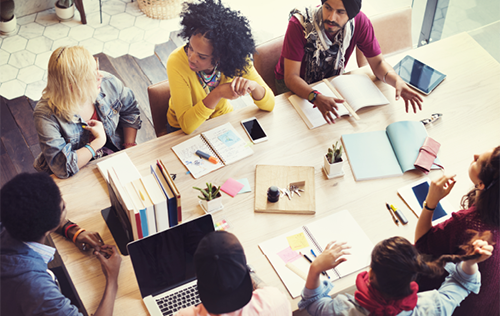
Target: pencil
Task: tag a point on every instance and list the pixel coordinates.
(310, 261)
(392, 214)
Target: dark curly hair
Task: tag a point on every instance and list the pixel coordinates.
(30, 206)
(228, 32)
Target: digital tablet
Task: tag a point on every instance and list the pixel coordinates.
(419, 75)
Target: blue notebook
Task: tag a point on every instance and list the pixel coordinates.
(386, 153)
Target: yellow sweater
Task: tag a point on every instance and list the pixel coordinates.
(186, 109)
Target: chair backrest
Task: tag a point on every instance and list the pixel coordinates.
(159, 97)
(393, 32)
(265, 59)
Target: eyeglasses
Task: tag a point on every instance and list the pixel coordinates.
(434, 117)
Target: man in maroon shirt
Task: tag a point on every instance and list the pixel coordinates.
(318, 44)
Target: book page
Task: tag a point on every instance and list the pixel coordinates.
(311, 115)
(359, 91)
(340, 227)
(406, 138)
(227, 143)
(186, 152)
(371, 155)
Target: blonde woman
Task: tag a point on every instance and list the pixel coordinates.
(84, 113)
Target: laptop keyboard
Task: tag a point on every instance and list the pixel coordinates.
(179, 300)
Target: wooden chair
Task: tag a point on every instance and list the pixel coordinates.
(265, 59)
(393, 32)
(159, 97)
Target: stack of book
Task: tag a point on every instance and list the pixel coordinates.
(144, 205)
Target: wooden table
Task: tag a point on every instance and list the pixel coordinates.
(468, 99)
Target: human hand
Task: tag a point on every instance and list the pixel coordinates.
(88, 240)
(480, 247)
(226, 91)
(110, 261)
(97, 130)
(439, 189)
(242, 86)
(409, 95)
(327, 105)
(330, 257)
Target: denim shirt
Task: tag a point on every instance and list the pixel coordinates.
(454, 290)
(59, 139)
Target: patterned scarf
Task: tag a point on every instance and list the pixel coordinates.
(209, 82)
(323, 58)
(371, 299)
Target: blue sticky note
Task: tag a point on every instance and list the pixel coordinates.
(246, 186)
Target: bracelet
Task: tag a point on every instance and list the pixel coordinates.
(64, 226)
(428, 208)
(81, 230)
(92, 151)
(67, 229)
(129, 144)
(383, 79)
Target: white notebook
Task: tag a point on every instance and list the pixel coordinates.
(340, 227)
(358, 90)
(222, 142)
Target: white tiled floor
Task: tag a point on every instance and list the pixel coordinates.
(24, 54)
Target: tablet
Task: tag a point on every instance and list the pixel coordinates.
(419, 75)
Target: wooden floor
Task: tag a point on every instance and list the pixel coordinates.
(19, 139)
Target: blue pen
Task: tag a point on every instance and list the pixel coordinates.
(324, 272)
(312, 251)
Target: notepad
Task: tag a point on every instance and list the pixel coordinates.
(341, 226)
(358, 91)
(223, 142)
(385, 153)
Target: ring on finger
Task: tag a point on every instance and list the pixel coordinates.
(84, 246)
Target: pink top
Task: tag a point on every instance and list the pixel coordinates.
(294, 42)
(266, 301)
(445, 238)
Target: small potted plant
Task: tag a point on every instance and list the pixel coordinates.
(8, 21)
(211, 198)
(333, 161)
(65, 9)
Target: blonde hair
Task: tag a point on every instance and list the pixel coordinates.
(71, 80)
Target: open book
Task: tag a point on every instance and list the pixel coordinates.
(284, 252)
(222, 142)
(357, 90)
(385, 153)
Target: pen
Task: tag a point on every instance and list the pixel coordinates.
(392, 214)
(400, 215)
(206, 156)
(310, 261)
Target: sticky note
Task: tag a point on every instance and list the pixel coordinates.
(297, 241)
(288, 255)
(246, 186)
(231, 187)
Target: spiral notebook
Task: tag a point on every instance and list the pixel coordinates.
(222, 142)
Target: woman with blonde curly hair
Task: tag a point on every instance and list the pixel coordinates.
(83, 114)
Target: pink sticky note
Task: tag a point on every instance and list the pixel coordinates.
(231, 187)
(288, 255)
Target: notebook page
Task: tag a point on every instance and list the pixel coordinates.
(186, 152)
(359, 91)
(340, 227)
(227, 143)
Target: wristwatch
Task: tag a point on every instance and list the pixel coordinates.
(312, 96)
(428, 208)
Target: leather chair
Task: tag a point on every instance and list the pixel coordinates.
(266, 57)
(159, 97)
(393, 32)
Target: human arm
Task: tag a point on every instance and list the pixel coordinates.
(84, 153)
(328, 259)
(85, 240)
(384, 72)
(437, 190)
(260, 92)
(110, 268)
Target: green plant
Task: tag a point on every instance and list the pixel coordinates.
(64, 3)
(209, 193)
(334, 155)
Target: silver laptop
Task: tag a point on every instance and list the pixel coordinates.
(164, 267)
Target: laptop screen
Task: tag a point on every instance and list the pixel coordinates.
(164, 260)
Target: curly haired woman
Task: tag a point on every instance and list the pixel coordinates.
(213, 67)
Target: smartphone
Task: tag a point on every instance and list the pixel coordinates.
(254, 130)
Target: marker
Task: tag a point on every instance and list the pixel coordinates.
(392, 214)
(206, 156)
(400, 215)
(310, 261)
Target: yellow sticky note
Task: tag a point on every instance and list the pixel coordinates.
(297, 241)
